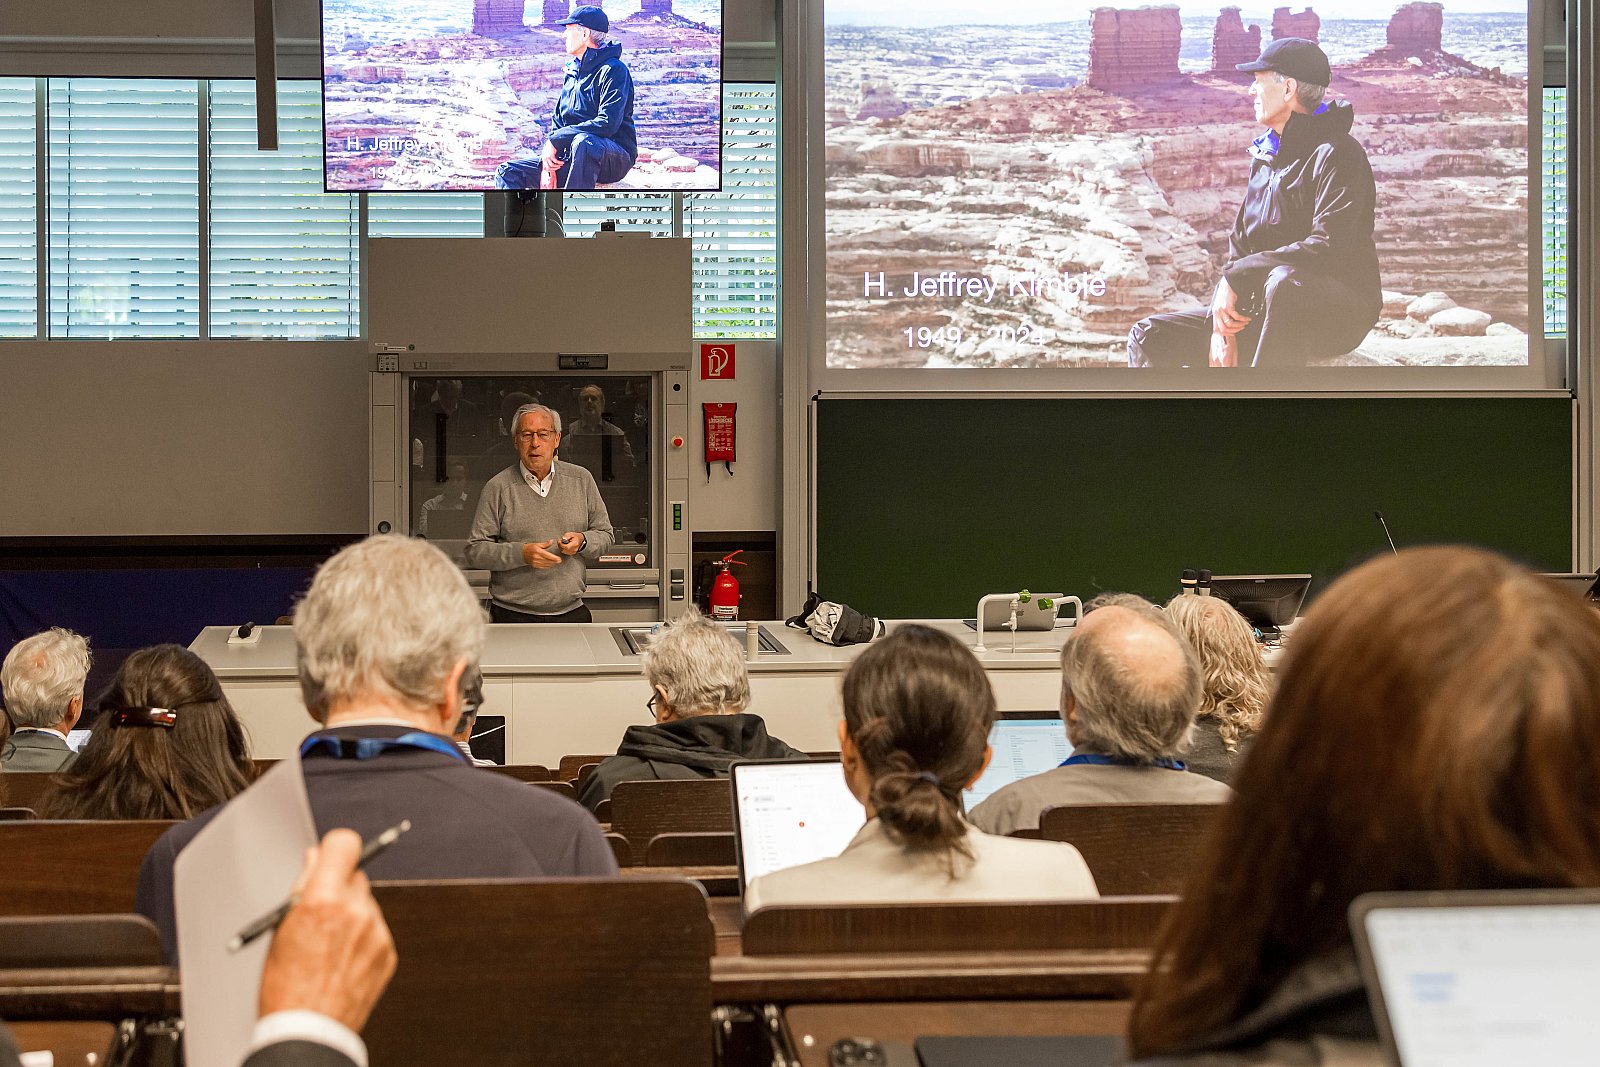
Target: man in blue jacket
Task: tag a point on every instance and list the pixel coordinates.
(1301, 278)
(591, 141)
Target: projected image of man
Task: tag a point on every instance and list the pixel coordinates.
(592, 140)
(1301, 278)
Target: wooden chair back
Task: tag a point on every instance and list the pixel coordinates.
(567, 770)
(1133, 848)
(524, 772)
(72, 868)
(575, 970)
(29, 943)
(640, 811)
(17, 814)
(563, 789)
(691, 850)
(855, 929)
(24, 789)
(620, 849)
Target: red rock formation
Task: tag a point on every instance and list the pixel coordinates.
(655, 7)
(1417, 28)
(1232, 43)
(1286, 24)
(555, 11)
(1131, 49)
(492, 18)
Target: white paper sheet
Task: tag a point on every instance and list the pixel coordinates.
(241, 866)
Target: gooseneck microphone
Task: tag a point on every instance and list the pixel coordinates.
(1379, 516)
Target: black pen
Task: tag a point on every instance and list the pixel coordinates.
(269, 922)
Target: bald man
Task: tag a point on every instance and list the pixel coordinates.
(1130, 689)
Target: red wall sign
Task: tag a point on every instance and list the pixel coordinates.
(716, 361)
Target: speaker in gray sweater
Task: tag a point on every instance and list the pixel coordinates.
(511, 514)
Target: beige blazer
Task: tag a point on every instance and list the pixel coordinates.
(873, 869)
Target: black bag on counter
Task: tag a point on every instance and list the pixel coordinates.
(835, 624)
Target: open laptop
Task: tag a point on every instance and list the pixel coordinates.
(789, 812)
(1482, 979)
(1025, 743)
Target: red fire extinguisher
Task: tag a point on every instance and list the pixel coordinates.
(725, 590)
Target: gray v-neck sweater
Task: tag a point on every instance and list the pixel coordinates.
(510, 514)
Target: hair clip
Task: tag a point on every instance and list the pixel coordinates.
(165, 717)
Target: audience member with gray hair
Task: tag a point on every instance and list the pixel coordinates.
(43, 678)
(388, 639)
(699, 688)
(1130, 690)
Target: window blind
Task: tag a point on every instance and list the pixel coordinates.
(424, 214)
(284, 255)
(19, 204)
(1554, 228)
(735, 232)
(632, 211)
(123, 202)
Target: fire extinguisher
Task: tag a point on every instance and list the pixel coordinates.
(725, 590)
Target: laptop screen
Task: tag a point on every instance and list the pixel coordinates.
(791, 813)
(1025, 744)
(1488, 986)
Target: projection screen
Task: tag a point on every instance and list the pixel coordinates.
(1054, 194)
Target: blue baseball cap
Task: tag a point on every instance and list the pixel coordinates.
(589, 17)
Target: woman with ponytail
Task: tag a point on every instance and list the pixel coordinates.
(917, 713)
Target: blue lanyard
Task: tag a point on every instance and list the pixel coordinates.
(1096, 759)
(363, 748)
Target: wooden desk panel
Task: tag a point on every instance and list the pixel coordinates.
(1065, 975)
(813, 1028)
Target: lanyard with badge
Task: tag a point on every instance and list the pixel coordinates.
(1096, 759)
(364, 748)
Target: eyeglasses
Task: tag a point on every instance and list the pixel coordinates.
(650, 705)
(536, 435)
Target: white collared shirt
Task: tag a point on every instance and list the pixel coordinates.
(538, 485)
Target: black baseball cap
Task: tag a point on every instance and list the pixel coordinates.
(1295, 57)
(594, 18)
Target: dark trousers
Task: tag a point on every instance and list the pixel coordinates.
(499, 613)
(1307, 317)
(591, 161)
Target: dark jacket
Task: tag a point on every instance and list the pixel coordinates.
(1318, 1017)
(465, 823)
(1207, 754)
(1309, 205)
(596, 98)
(701, 746)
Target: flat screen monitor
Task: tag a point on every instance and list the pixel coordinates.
(1579, 585)
(1265, 600)
(789, 812)
(1481, 979)
(467, 95)
(1025, 743)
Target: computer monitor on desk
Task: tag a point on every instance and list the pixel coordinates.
(1267, 601)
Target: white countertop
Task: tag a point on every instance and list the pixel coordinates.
(590, 649)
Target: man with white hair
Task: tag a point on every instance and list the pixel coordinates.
(536, 523)
(387, 638)
(699, 688)
(591, 140)
(43, 678)
(1130, 690)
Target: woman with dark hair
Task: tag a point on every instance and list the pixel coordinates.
(917, 713)
(167, 745)
(1436, 726)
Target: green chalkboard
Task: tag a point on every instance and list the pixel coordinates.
(923, 505)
